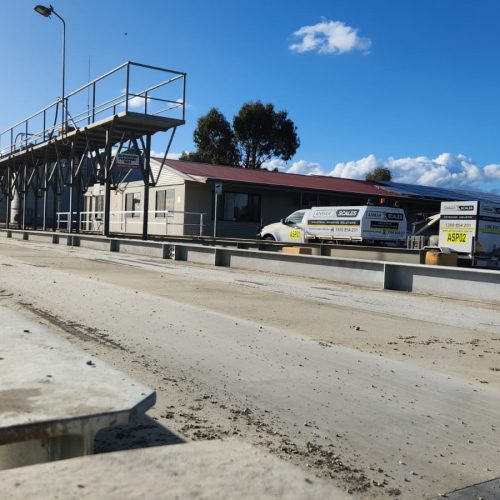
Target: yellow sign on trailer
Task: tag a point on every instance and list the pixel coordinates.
(469, 227)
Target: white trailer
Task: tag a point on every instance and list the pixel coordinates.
(370, 224)
(472, 229)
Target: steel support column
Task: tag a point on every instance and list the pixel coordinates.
(107, 192)
(45, 196)
(25, 195)
(147, 183)
(35, 210)
(72, 195)
(77, 182)
(55, 207)
(8, 196)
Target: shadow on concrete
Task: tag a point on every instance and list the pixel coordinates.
(143, 433)
(488, 490)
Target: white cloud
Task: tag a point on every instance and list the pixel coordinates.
(446, 170)
(329, 37)
(356, 169)
(154, 154)
(492, 172)
(170, 155)
(299, 167)
(173, 156)
(137, 102)
(186, 104)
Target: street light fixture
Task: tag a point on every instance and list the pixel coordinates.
(46, 12)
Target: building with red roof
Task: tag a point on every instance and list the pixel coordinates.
(245, 198)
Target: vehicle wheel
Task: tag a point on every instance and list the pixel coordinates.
(269, 237)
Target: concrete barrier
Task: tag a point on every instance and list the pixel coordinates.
(135, 247)
(357, 272)
(198, 254)
(445, 281)
(42, 237)
(93, 242)
(402, 255)
(452, 282)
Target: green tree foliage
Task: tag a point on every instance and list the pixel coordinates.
(214, 140)
(262, 133)
(258, 134)
(379, 174)
(193, 156)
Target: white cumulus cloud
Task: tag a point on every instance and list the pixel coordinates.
(356, 169)
(446, 170)
(329, 37)
(187, 105)
(492, 172)
(170, 155)
(138, 101)
(299, 167)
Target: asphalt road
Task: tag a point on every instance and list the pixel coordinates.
(384, 394)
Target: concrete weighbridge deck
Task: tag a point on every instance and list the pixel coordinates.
(451, 282)
(54, 397)
(202, 470)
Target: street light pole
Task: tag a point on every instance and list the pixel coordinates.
(46, 12)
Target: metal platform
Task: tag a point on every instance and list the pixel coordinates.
(76, 141)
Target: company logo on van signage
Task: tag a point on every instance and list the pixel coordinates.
(466, 208)
(393, 216)
(323, 213)
(347, 213)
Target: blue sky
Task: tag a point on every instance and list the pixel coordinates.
(413, 85)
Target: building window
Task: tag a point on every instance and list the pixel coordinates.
(165, 200)
(309, 200)
(241, 207)
(132, 204)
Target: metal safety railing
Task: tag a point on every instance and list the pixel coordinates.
(130, 87)
(124, 220)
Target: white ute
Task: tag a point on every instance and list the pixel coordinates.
(374, 224)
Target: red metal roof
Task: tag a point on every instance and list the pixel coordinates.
(278, 179)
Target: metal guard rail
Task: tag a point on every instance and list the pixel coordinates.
(57, 119)
(92, 220)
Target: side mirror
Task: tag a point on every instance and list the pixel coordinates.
(283, 221)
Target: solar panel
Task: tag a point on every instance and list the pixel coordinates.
(441, 193)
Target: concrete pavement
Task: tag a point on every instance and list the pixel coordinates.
(204, 470)
(309, 363)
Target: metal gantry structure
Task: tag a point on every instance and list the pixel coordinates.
(74, 143)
